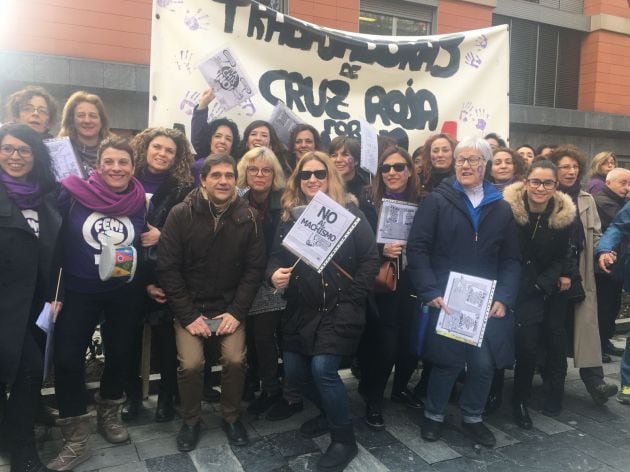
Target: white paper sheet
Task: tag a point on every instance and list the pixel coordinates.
(468, 299)
(394, 221)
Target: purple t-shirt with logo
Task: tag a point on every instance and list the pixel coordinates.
(83, 235)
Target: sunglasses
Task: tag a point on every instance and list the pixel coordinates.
(319, 174)
(398, 167)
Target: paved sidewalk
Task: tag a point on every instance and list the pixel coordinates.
(583, 438)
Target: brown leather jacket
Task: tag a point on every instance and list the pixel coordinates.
(210, 272)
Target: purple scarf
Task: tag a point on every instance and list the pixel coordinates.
(152, 182)
(94, 194)
(394, 195)
(26, 195)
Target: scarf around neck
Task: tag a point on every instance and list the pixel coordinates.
(25, 194)
(94, 194)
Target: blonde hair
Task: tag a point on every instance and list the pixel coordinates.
(598, 161)
(267, 155)
(67, 115)
(293, 195)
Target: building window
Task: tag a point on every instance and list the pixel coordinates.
(278, 5)
(395, 18)
(544, 63)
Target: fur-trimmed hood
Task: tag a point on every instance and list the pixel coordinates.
(562, 215)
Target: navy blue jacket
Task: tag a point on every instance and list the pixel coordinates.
(445, 237)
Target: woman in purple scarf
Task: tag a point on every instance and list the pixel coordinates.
(29, 226)
(103, 219)
(387, 339)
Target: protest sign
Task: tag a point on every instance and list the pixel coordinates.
(226, 76)
(369, 148)
(413, 86)
(63, 159)
(319, 231)
(283, 121)
(394, 221)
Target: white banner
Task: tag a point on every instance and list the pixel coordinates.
(404, 86)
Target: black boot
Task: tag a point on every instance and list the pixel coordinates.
(26, 459)
(131, 407)
(164, 411)
(495, 397)
(342, 449)
(521, 415)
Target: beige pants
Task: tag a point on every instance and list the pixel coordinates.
(191, 366)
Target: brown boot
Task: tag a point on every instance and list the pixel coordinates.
(108, 420)
(76, 448)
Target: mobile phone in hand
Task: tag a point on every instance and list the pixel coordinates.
(213, 324)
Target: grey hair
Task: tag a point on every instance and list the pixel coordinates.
(478, 144)
(616, 173)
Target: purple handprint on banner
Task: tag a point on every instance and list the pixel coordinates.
(465, 112)
(196, 21)
(183, 59)
(189, 101)
(481, 42)
(472, 60)
(168, 4)
(481, 118)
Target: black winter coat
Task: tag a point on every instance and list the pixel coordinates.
(203, 270)
(28, 275)
(325, 312)
(444, 238)
(608, 205)
(544, 240)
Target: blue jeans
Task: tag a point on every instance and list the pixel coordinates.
(472, 401)
(625, 365)
(318, 379)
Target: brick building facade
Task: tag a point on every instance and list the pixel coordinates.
(570, 59)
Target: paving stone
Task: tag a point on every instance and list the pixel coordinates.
(130, 467)
(158, 447)
(173, 463)
(543, 456)
(430, 452)
(370, 438)
(399, 458)
(548, 425)
(4, 458)
(466, 464)
(265, 428)
(305, 463)
(153, 430)
(617, 457)
(364, 461)
(110, 457)
(220, 458)
(259, 456)
(292, 443)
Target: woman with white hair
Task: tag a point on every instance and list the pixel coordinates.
(465, 226)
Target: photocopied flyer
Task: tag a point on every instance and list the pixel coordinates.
(394, 221)
(226, 75)
(469, 299)
(319, 231)
(63, 159)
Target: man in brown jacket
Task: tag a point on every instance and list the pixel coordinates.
(211, 258)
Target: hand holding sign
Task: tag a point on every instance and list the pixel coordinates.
(280, 278)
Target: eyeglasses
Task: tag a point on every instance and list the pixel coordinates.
(547, 184)
(254, 171)
(30, 109)
(319, 174)
(472, 161)
(7, 150)
(398, 167)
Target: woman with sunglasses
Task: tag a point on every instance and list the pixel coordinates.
(28, 276)
(543, 216)
(325, 312)
(387, 339)
(262, 179)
